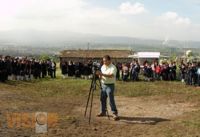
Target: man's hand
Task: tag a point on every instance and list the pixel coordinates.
(98, 73)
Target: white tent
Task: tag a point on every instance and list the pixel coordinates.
(150, 56)
(146, 55)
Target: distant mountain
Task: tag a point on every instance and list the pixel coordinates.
(78, 40)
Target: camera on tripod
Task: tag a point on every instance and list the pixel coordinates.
(96, 67)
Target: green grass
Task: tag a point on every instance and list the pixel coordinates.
(77, 87)
(192, 123)
(48, 87)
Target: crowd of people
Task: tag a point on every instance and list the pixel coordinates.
(76, 69)
(185, 72)
(23, 68)
(150, 71)
(190, 73)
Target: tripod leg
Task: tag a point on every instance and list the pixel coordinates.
(89, 97)
(107, 114)
(91, 105)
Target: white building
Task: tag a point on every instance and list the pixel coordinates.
(147, 56)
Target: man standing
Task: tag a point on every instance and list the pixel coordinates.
(108, 78)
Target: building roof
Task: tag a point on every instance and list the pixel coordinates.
(95, 53)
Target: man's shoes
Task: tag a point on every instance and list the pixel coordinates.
(101, 115)
(115, 117)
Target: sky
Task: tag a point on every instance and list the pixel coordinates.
(152, 19)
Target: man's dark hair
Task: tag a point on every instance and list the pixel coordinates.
(107, 57)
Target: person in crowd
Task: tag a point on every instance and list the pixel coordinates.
(198, 73)
(77, 70)
(165, 71)
(191, 74)
(86, 70)
(172, 71)
(194, 73)
(64, 68)
(182, 68)
(28, 70)
(118, 66)
(53, 69)
(134, 71)
(44, 68)
(71, 70)
(174, 68)
(148, 72)
(2, 69)
(125, 72)
(157, 71)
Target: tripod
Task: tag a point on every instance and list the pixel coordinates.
(93, 86)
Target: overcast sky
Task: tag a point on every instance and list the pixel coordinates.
(156, 19)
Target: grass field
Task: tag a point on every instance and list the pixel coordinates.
(146, 109)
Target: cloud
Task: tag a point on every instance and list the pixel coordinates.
(197, 2)
(71, 15)
(85, 17)
(52, 8)
(174, 18)
(133, 9)
(172, 25)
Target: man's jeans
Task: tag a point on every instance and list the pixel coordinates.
(108, 91)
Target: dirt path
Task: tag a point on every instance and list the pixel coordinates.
(146, 110)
